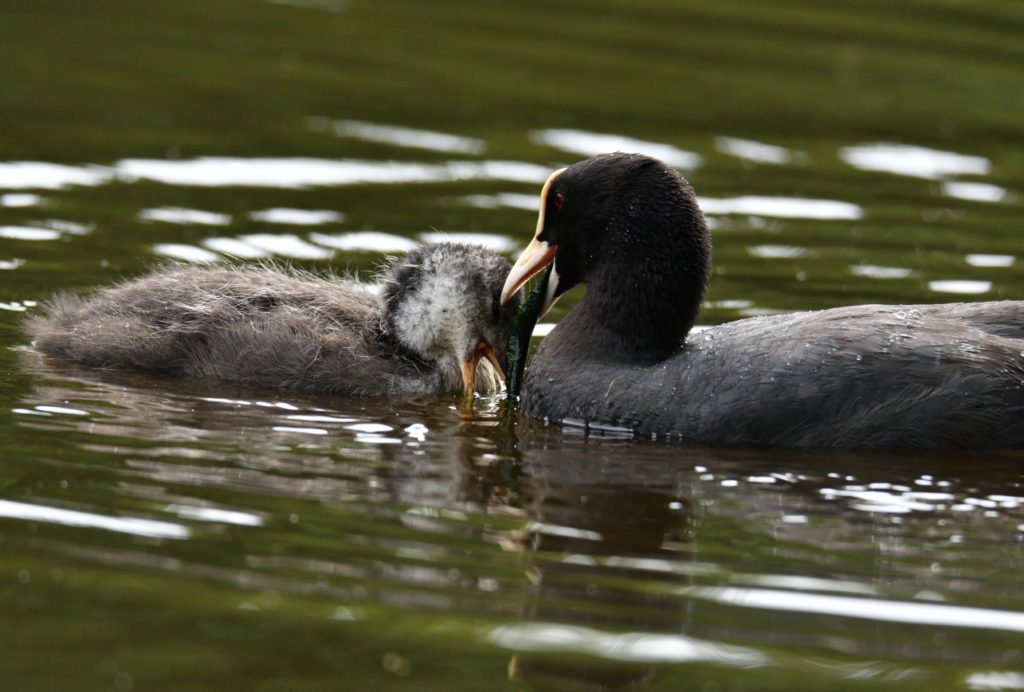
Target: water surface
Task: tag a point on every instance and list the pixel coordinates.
(164, 535)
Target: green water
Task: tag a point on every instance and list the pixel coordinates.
(158, 535)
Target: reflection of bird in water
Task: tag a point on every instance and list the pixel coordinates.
(435, 319)
(868, 376)
(598, 520)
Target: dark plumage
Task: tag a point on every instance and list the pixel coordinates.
(869, 376)
(436, 316)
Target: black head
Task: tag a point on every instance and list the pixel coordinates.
(624, 209)
(628, 226)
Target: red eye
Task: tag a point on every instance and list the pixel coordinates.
(559, 200)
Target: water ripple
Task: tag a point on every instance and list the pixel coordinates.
(400, 136)
(591, 143)
(627, 646)
(914, 161)
(940, 615)
(54, 515)
(213, 171)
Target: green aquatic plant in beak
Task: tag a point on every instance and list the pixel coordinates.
(519, 340)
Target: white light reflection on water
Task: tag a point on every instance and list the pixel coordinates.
(72, 227)
(960, 286)
(995, 680)
(417, 431)
(216, 515)
(233, 247)
(293, 173)
(375, 241)
(515, 200)
(659, 565)
(400, 136)
(374, 439)
(755, 151)
(287, 173)
(914, 161)
(278, 404)
(318, 418)
(297, 217)
(977, 192)
(17, 305)
(221, 400)
(592, 143)
(795, 582)
(28, 233)
(286, 245)
(372, 433)
(730, 304)
(185, 217)
(776, 251)
(980, 260)
(186, 253)
(370, 427)
(783, 207)
(549, 529)
(61, 410)
(20, 200)
(67, 517)
(299, 431)
(883, 501)
(493, 241)
(872, 271)
(629, 646)
(909, 612)
(27, 175)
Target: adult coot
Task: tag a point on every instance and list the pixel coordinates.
(433, 319)
(869, 376)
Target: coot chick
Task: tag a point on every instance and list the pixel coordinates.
(870, 376)
(435, 317)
